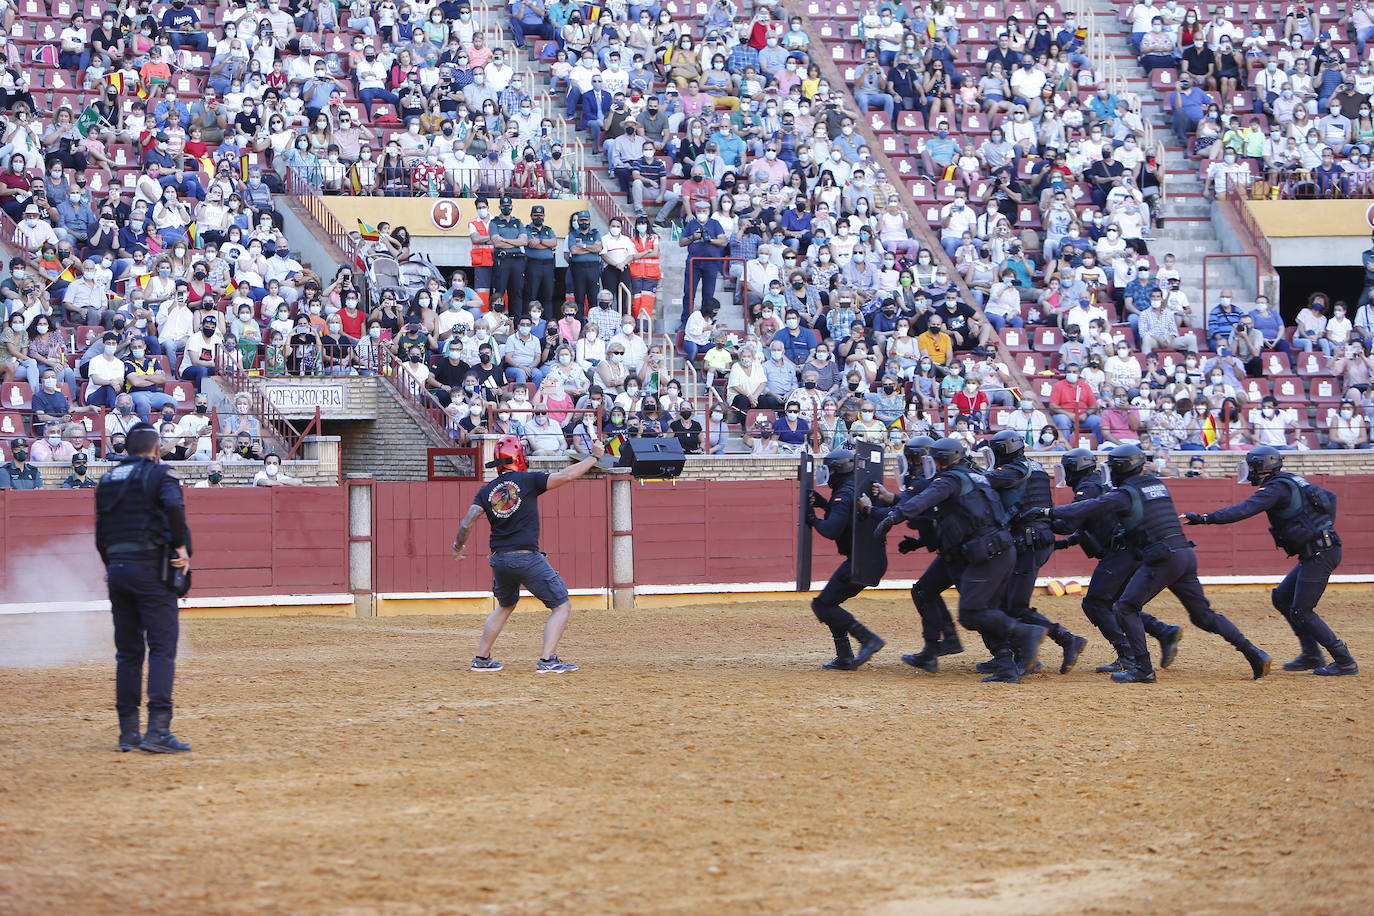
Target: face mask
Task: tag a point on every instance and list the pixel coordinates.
(110, 349)
(1071, 378)
(866, 414)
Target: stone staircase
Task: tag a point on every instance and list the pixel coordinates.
(1187, 229)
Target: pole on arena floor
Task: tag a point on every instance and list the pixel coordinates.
(622, 540)
(359, 493)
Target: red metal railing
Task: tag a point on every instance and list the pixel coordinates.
(1247, 227)
(600, 195)
(304, 190)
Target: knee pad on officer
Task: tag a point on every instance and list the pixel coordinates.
(1275, 600)
(1125, 608)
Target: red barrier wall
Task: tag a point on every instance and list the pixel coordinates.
(414, 524)
(247, 542)
(294, 540)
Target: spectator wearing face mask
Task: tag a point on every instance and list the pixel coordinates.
(272, 474)
(1073, 403)
(18, 473)
(1347, 428)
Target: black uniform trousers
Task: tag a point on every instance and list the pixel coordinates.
(1109, 577)
(827, 605)
(1177, 573)
(1297, 595)
(539, 284)
(586, 284)
(509, 278)
(982, 589)
(936, 623)
(145, 618)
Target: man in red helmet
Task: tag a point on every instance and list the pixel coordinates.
(516, 560)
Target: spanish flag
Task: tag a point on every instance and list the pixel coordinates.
(1081, 33)
(614, 444)
(232, 288)
(143, 281)
(368, 231)
(1209, 431)
(142, 92)
(930, 28)
(193, 232)
(67, 276)
(116, 80)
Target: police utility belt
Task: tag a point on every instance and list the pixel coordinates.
(1324, 541)
(1159, 551)
(986, 544)
(1033, 535)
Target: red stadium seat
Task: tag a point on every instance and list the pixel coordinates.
(183, 393)
(16, 396)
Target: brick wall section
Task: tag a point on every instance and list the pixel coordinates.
(395, 445)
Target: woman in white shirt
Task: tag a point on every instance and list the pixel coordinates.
(1311, 326)
(170, 217)
(591, 349)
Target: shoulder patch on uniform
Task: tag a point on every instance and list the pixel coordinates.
(122, 471)
(1154, 491)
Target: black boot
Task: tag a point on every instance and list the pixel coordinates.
(869, 642)
(1342, 662)
(986, 667)
(1309, 659)
(129, 737)
(928, 659)
(1121, 664)
(159, 738)
(844, 654)
(1134, 676)
(949, 644)
(1006, 667)
(1073, 647)
(1026, 644)
(1168, 645)
(1259, 659)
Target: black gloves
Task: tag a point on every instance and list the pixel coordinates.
(908, 544)
(1195, 518)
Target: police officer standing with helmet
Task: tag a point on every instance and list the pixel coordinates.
(1102, 539)
(939, 637)
(972, 529)
(838, 526)
(1302, 520)
(1142, 505)
(1023, 485)
(141, 534)
(508, 240)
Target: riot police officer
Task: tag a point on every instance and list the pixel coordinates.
(971, 527)
(938, 635)
(141, 534)
(1145, 510)
(838, 526)
(539, 254)
(1302, 521)
(1023, 486)
(508, 238)
(1102, 539)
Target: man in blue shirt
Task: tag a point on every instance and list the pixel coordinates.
(1223, 317)
(703, 238)
(527, 18)
(1188, 103)
(184, 26)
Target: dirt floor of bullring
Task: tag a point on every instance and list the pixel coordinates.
(701, 762)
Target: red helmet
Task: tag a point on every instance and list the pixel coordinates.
(509, 455)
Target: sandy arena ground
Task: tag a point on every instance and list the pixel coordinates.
(701, 762)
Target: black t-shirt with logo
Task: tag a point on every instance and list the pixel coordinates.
(509, 503)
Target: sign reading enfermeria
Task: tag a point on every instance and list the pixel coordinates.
(290, 398)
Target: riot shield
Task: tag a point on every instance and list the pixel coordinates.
(806, 482)
(868, 551)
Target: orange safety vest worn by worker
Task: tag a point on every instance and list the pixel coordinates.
(646, 268)
(482, 255)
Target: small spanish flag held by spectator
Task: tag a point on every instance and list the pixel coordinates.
(930, 28)
(949, 173)
(1209, 431)
(142, 92)
(143, 280)
(1081, 33)
(193, 233)
(117, 81)
(232, 288)
(67, 276)
(615, 444)
(368, 231)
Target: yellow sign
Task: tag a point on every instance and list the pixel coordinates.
(428, 217)
(1281, 219)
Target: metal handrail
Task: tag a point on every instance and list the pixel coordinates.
(274, 424)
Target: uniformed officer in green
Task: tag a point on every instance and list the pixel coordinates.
(509, 239)
(539, 253)
(584, 262)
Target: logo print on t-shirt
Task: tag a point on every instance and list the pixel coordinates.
(504, 499)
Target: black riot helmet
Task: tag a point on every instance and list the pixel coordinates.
(1077, 464)
(839, 461)
(948, 452)
(1007, 446)
(1124, 462)
(1262, 462)
(916, 448)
